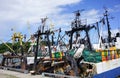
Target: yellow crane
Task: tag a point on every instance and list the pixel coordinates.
(18, 36)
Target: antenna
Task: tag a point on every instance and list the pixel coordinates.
(51, 25)
(105, 8)
(43, 21)
(77, 22)
(77, 13)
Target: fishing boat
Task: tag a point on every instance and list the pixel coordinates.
(81, 58)
(78, 58)
(101, 60)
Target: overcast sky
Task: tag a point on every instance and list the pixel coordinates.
(24, 15)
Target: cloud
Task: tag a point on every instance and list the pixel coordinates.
(18, 12)
(91, 16)
(32, 10)
(87, 17)
(116, 8)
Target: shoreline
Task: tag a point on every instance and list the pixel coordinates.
(13, 74)
(7, 76)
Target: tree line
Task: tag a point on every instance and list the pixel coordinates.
(15, 47)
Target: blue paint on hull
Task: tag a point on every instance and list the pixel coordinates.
(109, 74)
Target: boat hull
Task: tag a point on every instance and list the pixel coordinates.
(108, 69)
(114, 73)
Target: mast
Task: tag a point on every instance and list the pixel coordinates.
(40, 33)
(37, 49)
(108, 26)
(98, 29)
(76, 27)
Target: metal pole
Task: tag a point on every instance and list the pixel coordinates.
(98, 29)
(36, 52)
(49, 44)
(89, 43)
(108, 25)
(70, 41)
